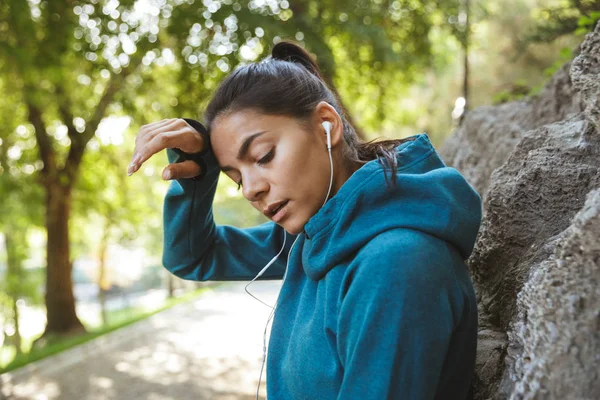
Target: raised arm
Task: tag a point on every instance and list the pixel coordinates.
(194, 247)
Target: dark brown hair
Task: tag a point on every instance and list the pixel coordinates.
(290, 83)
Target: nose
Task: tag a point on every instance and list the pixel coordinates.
(254, 187)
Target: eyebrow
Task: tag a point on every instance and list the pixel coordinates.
(243, 149)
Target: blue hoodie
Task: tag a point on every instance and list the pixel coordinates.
(377, 302)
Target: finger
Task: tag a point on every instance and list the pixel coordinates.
(149, 129)
(160, 142)
(148, 132)
(168, 125)
(183, 137)
(185, 169)
(152, 126)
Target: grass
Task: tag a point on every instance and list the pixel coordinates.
(118, 319)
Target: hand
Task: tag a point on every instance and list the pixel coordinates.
(168, 133)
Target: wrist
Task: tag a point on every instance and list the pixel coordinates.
(201, 129)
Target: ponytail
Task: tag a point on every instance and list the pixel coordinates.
(288, 51)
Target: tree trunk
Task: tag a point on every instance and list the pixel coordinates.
(14, 257)
(170, 285)
(60, 302)
(102, 278)
(17, 335)
(465, 45)
(102, 299)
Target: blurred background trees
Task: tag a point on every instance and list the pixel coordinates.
(78, 78)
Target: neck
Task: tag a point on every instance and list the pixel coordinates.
(342, 171)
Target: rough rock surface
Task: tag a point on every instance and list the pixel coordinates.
(532, 197)
(585, 72)
(555, 342)
(535, 263)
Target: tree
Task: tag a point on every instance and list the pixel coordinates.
(124, 211)
(380, 45)
(51, 51)
(20, 209)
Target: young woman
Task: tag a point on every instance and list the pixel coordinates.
(370, 238)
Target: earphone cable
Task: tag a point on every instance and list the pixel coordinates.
(264, 269)
(274, 307)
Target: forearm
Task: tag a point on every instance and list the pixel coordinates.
(195, 248)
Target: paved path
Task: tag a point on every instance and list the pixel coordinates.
(210, 348)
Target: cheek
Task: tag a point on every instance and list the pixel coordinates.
(294, 169)
(302, 173)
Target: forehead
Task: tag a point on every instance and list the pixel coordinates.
(234, 127)
(229, 131)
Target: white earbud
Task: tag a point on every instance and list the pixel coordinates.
(327, 126)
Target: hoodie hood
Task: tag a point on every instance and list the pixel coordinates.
(427, 196)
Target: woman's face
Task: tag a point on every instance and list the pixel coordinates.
(277, 161)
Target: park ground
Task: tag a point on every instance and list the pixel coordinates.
(210, 348)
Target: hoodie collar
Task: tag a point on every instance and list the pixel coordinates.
(428, 196)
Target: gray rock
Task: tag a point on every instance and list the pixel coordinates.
(534, 162)
(483, 129)
(554, 350)
(585, 74)
(532, 198)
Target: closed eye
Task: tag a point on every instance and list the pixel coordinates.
(266, 158)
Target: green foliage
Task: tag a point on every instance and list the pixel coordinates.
(518, 91)
(108, 202)
(565, 55)
(586, 23)
(559, 18)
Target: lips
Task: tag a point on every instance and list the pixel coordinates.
(272, 209)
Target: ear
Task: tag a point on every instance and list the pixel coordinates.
(325, 112)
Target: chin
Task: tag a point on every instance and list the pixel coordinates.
(293, 229)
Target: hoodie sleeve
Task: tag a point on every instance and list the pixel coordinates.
(396, 318)
(195, 248)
